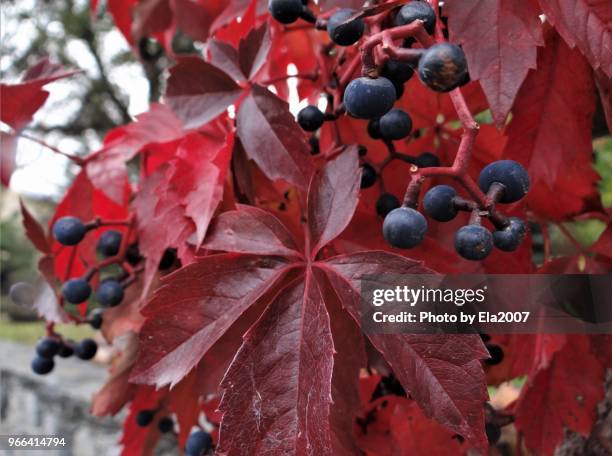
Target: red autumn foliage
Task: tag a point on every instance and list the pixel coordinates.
(258, 331)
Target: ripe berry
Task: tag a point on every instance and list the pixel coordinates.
(109, 293)
(22, 294)
(42, 366)
(198, 443)
(47, 347)
(417, 10)
(109, 243)
(285, 11)
(367, 98)
(510, 174)
(69, 230)
(386, 203)
(310, 118)
(165, 424)
(396, 124)
(493, 432)
(404, 228)
(368, 175)
(344, 34)
(497, 354)
(438, 203)
(473, 242)
(76, 291)
(509, 238)
(427, 160)
(86, 349)
(443, 67)
(66, 350)
(397, 71)
(374, 129)
(144, 417)
(399, 89)
(95, 319)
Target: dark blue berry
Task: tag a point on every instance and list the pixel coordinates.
(132, 255)
(86, 349)
(368, 175)
(427, 160)
(41, 365)
(438, 203)
(396, 124)
(48, 347)
(109, 243)
(367, 98)
(69, 230)
(497, 354)
(310, 118)
(509, 238)
(66, 350)
(404, 228)
(473, 242)
(22, 294)
(386, 203)
(374, 129)
(167, 259)
(417, 10)
(510, 174)
(76, 291)
(443, 67)
(144, 417)
(198, 443)
(285, 11)
(95, 319)
(344, 34)
(109, 293)
(165, 424)
(397, 71)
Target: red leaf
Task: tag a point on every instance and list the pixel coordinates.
(151, 16)
(8, 156)
(280, 403)
(45, 302)
(200, 302)
(34, 231)
(550, 132)
(253, 50)
(198, 91)
(332, 198)
(121, 10)
(563, 395)
(161, 220)
(584, 24)
(199, 176)
(196, 18)
(500, 40)
(251, 230)
(20, 101)
(272, 138)
(442, 372)
(107, 166)
(225, 56)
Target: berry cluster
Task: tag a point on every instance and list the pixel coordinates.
(51, 346)
(144, 418)
(386, 67)
(504, 181)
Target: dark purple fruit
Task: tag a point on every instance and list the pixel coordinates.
(510, 174)
(76, 291)
(438, 203)
(109, 243)
(69, 230)
(473, 242)
(404, 228)
(417, 10)
(347, 33)
(443, 67)
(368, 175)
(367, 98)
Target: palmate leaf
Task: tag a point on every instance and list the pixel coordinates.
(278, 391)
